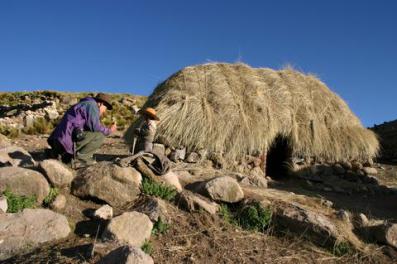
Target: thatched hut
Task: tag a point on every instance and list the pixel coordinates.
(237, 110)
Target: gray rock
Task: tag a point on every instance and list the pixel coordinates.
(25, 231)
(15, 156)
(343, 215)
(23, 181)
(3, 204)
(254, 180)
(224, 189)
(346, 165)
(154, 208)
(105, 212)
(113, 184)
(127, 255)
(130, 227)
(4, 141)
(193, 157)
(59, 203)
(178, 154)
(28, 120)
(385, 234)
(171, 179)
(193, 202)
(51, 113)
(57, 173)
(370, 171)
(361, 220)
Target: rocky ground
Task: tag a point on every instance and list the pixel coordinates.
(311, 214)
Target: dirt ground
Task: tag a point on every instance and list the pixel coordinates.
(201, 238)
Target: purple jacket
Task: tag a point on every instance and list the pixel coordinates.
(85, 115)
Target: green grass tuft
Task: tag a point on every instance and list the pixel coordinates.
(255, 217)
(162, 191)
(51, 196)
(17, 203)
(341, 248)
(147, 247)
(160, 227)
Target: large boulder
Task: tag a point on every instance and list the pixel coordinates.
(15, 156)
(131, 227)
(109, 182)
(58, 174)
(127, 255)
(23, 181)
(27, 230)
(223, 189)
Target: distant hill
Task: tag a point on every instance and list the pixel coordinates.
(387, 133)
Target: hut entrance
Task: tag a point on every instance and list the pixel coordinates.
(277, 158)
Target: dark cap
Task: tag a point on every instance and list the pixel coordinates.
(104, 98)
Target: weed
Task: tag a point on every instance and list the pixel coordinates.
(226, 214)
(341, 248)
(160, 227)
(147, 247)
(51, 196)
(17, 203)
(40, 126)
(254, 217)
(162, 191)
(9, 132)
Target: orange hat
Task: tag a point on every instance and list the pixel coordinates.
(151, 113)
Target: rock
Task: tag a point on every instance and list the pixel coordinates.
(343, 215)
(59, 203)
(255, 181)
(327, 203)
(295, 217)
(105, 212)
(338, 169)
(217, 159)
(356, 166)
(28, 120)
(224, 189)
(178, 154)
(371, 180)
(154, 208)
(57, 173)
(130, 227)
(15, 156)
(385, 234)
(193, 157)
(3, 204)
(159, 149)
(27, 230)
(352, 176)
(361, 220)
(172, 179)
(193, 202)
(369, 163)
(346, 165)
(127, 255)
(4, 141)
(23, 181)
(113, 184)
(370, 171)
(51, 113)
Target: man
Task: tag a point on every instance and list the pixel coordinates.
(147, 131)
(80, 132)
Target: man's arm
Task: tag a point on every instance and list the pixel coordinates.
(93, 123)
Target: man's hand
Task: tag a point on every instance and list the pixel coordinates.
(113, 127)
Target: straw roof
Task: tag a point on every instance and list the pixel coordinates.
(237, 110)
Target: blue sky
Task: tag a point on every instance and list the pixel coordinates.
(131, 46)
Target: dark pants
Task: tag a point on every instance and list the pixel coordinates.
(84, 149)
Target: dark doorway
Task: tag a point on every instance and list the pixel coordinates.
(278, 158)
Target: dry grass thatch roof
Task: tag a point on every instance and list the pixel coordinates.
(236, 109)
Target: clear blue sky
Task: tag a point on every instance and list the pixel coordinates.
(130, 46)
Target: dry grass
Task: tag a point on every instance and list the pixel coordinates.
(236, 110)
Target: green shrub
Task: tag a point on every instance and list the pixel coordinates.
(51, 196)
(160, 227)
(254, 217)
(226, 214)
(147, 247)
(17, 203)
(162, 191)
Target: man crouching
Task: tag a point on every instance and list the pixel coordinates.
(80, 132)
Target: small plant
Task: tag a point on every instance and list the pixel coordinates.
(51, 196)
(17, 203)
(341, 248)
(160, 227)
(147, 247)
(162, 191)
(9, 132)
(226, 214)
(40, 126)
(254, 217)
